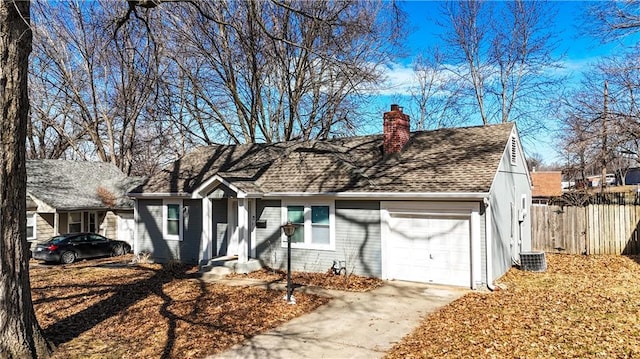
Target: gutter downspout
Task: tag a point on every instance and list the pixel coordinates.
(488, 244)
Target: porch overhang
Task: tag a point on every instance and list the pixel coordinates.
(211, 184)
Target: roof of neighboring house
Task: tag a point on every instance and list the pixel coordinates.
(546, 184)
(70, 185)
(458, 160)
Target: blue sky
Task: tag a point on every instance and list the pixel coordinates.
(579, 51)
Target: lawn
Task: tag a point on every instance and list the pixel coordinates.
(112, 309)
(582, 307)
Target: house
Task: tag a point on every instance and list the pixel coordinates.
(546, 185)
(78, 196)
(448, 206)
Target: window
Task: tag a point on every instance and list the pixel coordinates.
(31, 226)
(295, 215)
(74, 224)
(172, 220)
(91, 216)
(314, 225)
(320, 225)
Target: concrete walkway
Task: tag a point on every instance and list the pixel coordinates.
(351, 325)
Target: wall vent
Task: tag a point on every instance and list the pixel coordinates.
(533, 261)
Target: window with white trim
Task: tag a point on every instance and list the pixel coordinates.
(315, 225)
(172, 219)
(295, 215)
(74, 222)
(31, 226)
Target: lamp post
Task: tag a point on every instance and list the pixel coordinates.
(289, 229)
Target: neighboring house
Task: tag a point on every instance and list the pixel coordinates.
(546, 185)
(448, 206)
(78, 196)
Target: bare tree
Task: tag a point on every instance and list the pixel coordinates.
(20, 334)
(180, 74)
(254, 71)
(503, 53)
(92, 94)
(612, 20)
(602, 123)
(436, 93)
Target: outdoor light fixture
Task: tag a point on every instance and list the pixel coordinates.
(289, 229)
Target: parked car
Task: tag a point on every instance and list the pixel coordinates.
(66, 248)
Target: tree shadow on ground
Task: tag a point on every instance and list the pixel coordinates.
(153, 311)
(122, 296)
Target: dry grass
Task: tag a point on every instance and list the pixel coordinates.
(582, 307)
(112, 309)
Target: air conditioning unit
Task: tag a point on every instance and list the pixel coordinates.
(533, 261)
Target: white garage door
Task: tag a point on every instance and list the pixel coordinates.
(429, 249)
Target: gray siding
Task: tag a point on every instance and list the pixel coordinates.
(149, 228)
(268, 239)
(510, 184)
(150, 237)
(357, 240)
(220, 220)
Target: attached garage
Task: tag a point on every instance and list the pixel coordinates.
(424, 243)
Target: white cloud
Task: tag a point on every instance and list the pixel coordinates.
(400, 79)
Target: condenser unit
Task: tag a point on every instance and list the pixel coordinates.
(533, 261)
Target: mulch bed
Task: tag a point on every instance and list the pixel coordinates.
(111, 308)
(329, 280)
(581, 307)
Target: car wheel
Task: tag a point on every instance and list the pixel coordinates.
(67, 257)
(118, 250)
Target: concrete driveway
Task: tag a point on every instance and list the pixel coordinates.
(352, 325)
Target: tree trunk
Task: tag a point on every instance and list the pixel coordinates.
(20, 334)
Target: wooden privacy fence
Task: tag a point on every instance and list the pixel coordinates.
(592, 229)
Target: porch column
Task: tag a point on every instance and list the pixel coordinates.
(207, 229)
(56, 223)
(243, 231)
(252, 227)
(136, 220)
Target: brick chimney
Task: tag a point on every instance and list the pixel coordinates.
(396, 130)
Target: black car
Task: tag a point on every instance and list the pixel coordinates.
(66, 248)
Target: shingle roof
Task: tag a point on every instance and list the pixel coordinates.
(459, 160)
(67, 185)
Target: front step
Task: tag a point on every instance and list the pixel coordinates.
(218, 268)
